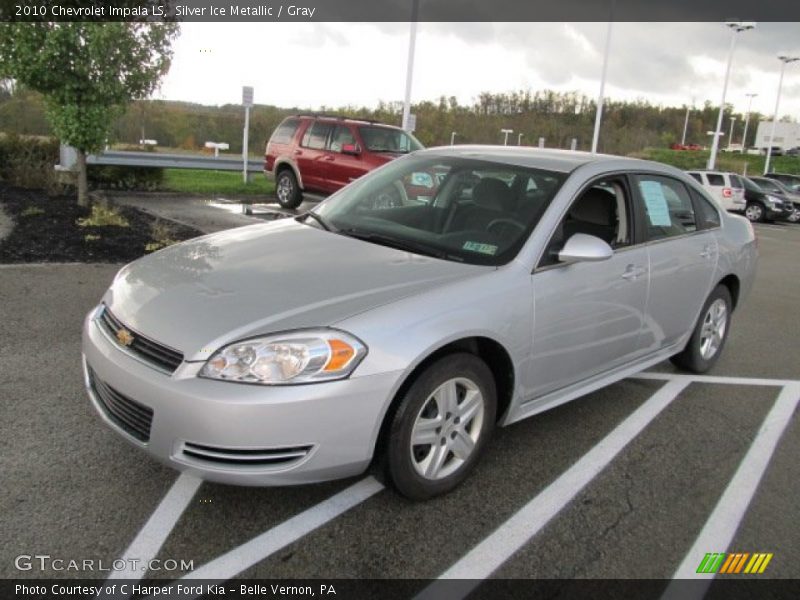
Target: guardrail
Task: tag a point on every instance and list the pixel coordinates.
(174, 161)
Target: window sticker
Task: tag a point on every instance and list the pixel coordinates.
(482, 248)
(656, 203)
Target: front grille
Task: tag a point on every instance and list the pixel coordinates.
(129, 415)
(259, 457)
(149, 351)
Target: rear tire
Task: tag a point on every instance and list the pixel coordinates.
(441, 427)
(287, 190)
(709, 335)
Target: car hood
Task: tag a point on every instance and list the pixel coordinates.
(204, 293)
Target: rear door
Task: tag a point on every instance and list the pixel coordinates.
(310, 156)
(682, 256)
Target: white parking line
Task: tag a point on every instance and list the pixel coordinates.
(260, 547)
(715, 379)
(151, 537)
(480, 562)
(717, 534)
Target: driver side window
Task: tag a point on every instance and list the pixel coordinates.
(602, 210)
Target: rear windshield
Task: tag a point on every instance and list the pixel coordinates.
(285, 132)
(715, 179)
(736, 182)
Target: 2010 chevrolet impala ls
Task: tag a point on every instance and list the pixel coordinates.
(404, 317)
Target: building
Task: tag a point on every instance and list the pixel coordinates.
(787, 135)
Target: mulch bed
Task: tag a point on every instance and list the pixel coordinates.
(54, 236)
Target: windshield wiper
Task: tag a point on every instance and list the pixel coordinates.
(317, 218)
(392, 242)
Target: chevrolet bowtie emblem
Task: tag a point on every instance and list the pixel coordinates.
(124, 337)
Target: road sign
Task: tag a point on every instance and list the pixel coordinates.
(247, 96)
(412, 123)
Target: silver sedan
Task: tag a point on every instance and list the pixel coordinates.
(449, 291)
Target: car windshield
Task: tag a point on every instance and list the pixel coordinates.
(384, 139)
(454, 208)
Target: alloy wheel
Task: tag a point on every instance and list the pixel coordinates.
(447, 428)
(715, 324)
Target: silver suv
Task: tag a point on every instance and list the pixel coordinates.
(727, 188)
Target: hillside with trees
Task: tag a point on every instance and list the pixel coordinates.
(558, 117)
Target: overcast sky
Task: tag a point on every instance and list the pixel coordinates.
(336, 64)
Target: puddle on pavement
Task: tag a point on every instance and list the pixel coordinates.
(260, 211)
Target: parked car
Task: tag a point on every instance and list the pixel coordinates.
(793, 151)
(790, 181)
(314, 153)
(776, 188)
(398, 337)
(727, 188)
(762, 206)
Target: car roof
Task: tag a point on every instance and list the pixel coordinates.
(340, 119)
(551, 159)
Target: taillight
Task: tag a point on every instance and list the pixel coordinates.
(727, 192)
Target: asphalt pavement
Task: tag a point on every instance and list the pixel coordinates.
(631, 481)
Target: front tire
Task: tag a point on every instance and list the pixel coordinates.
(287, 190)
(755, 212)
(710, 333)
(441, 427)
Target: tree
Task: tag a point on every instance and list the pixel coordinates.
(87, 73)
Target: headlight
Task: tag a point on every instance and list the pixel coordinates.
(282, 359)
(773, 201)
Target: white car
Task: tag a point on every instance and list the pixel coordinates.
(727, 188)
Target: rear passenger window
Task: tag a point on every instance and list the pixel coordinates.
(285, 131)
(715, 179)
(667, 207)
(316, 137)
(707, 214)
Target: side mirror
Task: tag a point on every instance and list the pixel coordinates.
(422, 180)
(351, 149)
(581, 247)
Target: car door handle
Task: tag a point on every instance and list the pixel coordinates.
(330, 158)
(633, 272)
(707, 252)
(298, 152)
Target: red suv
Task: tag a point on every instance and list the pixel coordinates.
(313, 153)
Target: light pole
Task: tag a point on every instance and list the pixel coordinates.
(598, 115)
(736, 28)
(730, 133)
(519, 140)
(785, 59)
(686, 123)
(412, 42)
(506, 132)
(452, 137)
(747, 120)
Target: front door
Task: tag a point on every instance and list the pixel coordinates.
(588, 316)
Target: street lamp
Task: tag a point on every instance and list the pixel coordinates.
(412, 42)
(519, 140)
(452, 137)
(736, 27)
(506, 132)
(730, 133)
(785, 59)
(747, 120)
(686, 123)
(598, 115)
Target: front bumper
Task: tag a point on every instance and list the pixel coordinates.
(239, 433)
(778, 214)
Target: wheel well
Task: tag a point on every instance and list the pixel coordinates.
(491, 352)
(285, 166)
(732, 283)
